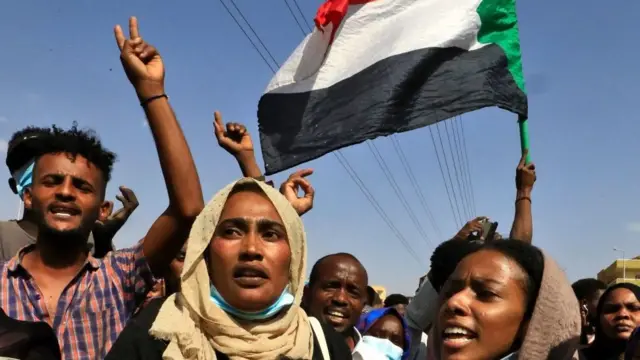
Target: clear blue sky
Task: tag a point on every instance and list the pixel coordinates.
(59, 63)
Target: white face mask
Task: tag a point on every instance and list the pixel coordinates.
(373, 348)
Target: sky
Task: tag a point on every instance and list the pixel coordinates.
(59, 64)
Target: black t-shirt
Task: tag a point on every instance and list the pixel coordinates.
(27, 340)
(135, 343)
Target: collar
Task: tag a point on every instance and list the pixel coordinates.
(16, 262)
(358, 335)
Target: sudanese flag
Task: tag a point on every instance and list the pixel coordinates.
(377, 67)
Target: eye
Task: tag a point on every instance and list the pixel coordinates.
(231, 232)
(485, 294)
(271, 235)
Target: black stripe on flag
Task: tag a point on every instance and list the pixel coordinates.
(400, 93)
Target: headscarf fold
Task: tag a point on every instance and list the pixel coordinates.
(196, 328)
(367, 320)
(554, 328)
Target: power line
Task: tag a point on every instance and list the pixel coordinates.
(458, 146)
(446, 163)
(397, 146)
(466, 159)
(295, 2)
(253, 31)
(446, 186)
(465, 208)
(394, 185)
(248, 37)
(304, 32)
(343, 160)
(372, 200)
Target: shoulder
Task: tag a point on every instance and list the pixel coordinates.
(336, 343)
(135, 342)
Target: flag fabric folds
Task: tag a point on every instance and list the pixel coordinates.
(378, 67)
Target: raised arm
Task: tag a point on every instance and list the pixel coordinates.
(522, 228)
(235, 139)
(144, 68)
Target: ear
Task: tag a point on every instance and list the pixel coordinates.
(12, 185)
(27, 198)
(105, 210)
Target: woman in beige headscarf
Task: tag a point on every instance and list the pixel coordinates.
(241, 288)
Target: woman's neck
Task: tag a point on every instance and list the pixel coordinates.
(608, 349)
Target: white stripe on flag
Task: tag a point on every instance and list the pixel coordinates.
(373, 32)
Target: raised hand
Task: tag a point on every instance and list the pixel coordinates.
(525, 174)
(294, 183)
(141, 62)
(472, 226)
(235, 138)
(129, 204)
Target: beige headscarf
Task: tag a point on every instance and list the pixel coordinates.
(195, 327)
(555, 325)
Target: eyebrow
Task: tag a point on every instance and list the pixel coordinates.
(262, 222)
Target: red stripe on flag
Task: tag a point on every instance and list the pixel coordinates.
(333, 11)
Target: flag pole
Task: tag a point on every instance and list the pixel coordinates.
(524, 137)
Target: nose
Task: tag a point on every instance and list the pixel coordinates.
(458, 303)
(251, 247)
(66, 191)
(623, 313)
(339, 297)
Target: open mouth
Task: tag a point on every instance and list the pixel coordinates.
(336, 316)
(63, 212)
(250, 276)
(457, 337)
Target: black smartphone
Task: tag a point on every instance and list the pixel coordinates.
(489, 231)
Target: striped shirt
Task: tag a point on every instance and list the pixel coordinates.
(93, 308)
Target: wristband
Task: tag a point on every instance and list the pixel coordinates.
(523, 198)
(146, 101)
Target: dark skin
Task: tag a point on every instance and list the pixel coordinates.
(486, 296)
(249, 253)
(589, 310)
(67, 197)
(388, 327)
(339, 294)
(620, 314)
(77, 187)
(145, 70)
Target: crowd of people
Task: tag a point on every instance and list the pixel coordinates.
(227, 279)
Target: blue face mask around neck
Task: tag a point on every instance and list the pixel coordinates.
(285, 299)
(24, 177)
(384, 347)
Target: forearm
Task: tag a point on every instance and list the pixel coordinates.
(522, 228)
(170, 231)
(176, 161)
(249, 166)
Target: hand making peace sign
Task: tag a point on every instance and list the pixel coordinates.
(141, 62)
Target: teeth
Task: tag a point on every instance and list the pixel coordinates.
(336, 314)
(456, 331)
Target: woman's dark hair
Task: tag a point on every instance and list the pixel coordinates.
(396, 299)
(445, 259)
(530, 259)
